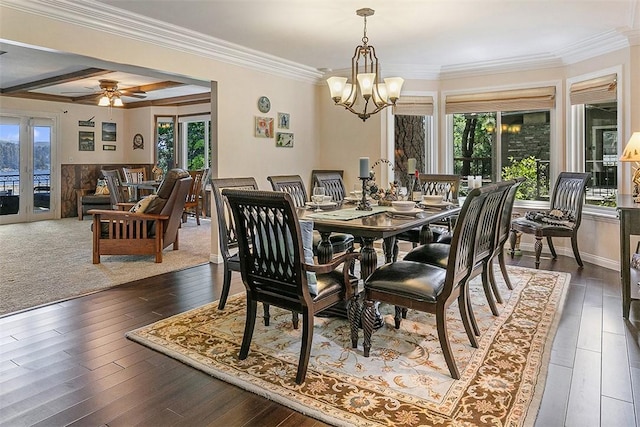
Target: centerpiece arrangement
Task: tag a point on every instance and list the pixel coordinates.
(384, 196)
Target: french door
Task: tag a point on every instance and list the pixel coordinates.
(27, 165)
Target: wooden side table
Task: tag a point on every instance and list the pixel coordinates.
(629, 214)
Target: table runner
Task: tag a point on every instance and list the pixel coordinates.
(347, 214)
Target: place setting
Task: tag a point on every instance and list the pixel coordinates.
(321, 201)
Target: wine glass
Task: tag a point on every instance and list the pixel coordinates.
(318, 197)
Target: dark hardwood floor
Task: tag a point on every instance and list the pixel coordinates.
(70, 364)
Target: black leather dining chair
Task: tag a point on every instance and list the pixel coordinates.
(430, 288)
(275, 269)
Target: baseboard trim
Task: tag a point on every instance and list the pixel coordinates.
(567, 251)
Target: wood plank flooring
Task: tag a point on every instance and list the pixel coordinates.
(70, 364)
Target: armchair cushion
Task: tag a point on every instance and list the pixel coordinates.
(431, 253)
(143, 204)
(409, 279)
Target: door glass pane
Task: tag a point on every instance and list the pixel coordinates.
(601, 148)
(9, 167)
(41, 168)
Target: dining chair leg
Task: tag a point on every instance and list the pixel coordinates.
(492, 281)
(226, 285)
(576, 252)
(551, 247)
(441, 325)
(295, 319)
(305, 349)
(503, 268)
(266, 316)
(353, 313)
(249, 325)
(397, 318)
(487, 292)
(513, 237)
(468, 317)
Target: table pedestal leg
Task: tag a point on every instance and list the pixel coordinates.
(325, 250)
(368, 264)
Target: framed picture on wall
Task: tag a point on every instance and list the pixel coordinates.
(264, 127)
(108, 131)
(86, 141)
(283, 120)
(284, 139)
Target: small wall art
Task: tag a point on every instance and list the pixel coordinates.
(264, 127)
(138, 141)
(284, 139)
(86, 141)
(108, 147)
(283, 120)
(108, 131)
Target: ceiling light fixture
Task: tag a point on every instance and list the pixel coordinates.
(365, 80)
(110, 94)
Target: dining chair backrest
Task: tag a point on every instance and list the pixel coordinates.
(488, 223)
(507, 210)
(226, 226)
(117, 192)
(134, 175)
(460, 262)
(270, 245)
(292, 185)
(569, 193)
(193, 197)
(440, 184)
(332, 183)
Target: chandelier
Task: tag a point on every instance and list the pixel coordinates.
(365, 81)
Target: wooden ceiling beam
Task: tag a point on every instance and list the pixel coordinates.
(64, 78)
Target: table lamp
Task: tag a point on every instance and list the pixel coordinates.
(631, 153)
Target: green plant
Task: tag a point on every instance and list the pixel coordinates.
(526, 168)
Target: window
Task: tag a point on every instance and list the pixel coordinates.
(595, 135)
(165, 143)
(503, 135)
(413, 117)
(194, 142)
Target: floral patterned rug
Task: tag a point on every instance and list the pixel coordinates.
(406, 380)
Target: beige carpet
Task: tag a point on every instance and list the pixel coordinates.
(46, 261)
(406, 380)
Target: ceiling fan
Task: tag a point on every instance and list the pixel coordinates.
(111, 95)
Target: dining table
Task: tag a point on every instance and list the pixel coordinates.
(367, 226)
(141, 185)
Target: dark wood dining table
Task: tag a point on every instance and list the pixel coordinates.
(380, 223)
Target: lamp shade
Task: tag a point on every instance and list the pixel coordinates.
(117, 102)
(631, 152)
(104, 101)
(366, 82)
(336, 86)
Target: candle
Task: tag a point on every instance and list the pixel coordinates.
(478, 181)
(364, 167)
(471, 182)
(411, 165)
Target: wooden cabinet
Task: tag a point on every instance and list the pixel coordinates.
(629, 214)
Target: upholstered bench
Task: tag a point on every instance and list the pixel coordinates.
(87, 199)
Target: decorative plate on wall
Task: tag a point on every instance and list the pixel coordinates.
(264, 105)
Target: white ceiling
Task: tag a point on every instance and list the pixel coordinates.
(427, 34)
(412, 38)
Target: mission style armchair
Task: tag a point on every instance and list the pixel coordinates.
(151, 226)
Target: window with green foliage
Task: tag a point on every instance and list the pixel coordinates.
(504, 145)
(165, 143)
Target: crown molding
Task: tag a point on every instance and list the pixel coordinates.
(101, 17)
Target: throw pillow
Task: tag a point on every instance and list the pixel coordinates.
(306, 229)
(143, 204)
(101, 187)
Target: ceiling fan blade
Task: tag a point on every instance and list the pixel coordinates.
(133, 94)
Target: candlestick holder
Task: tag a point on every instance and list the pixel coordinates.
(364, 204)
(412, 183)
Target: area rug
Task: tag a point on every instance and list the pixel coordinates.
(406, 380)
(48, 261)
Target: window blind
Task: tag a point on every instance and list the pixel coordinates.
(414, 106)
(506, 100)
(601, 89)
